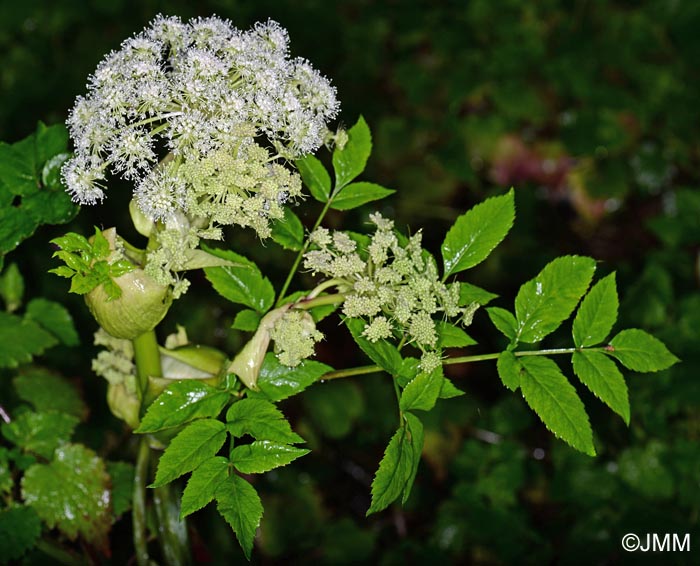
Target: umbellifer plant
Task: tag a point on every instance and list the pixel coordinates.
(216, 128)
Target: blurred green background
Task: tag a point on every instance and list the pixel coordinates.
(590, 110)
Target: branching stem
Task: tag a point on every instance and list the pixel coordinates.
(363, 370)
(300, 255)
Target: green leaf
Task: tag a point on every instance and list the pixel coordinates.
(504, 321)
(182, 402)
(62, 271)
(246, 320)
(315, 177)
(288, 232)
(261, 420)
(422, 391)
(350, 161)
(72, 494)
(49, 392)
(469, 294)
(639, 351)
(122, 484)
(196, 443)
(357, 194)
(242, 283)
(12, 287)
(381, 352)
(451, 336)
(395, 470)
(30, 193)
(55, 318)
(544, 302)
(238, 503)
(509, 370)
(40, 433)
(264, 455)
(20, 528)
(556, 402)
(414, 435)
(73, 242)
(277, 381)
(596, 314)
(449, 390)
(203, 483)
(477, 232)
(600, 374)
(410, 367)
(100, 245)
(20, 340)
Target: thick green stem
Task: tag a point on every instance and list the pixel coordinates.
(306, 304)
(363, 370)
(300, 255)
(138, 512)
(147, 357)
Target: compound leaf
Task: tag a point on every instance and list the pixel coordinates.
(556, 402)
(203, 483)
(600, 374)
(357, 194)
(241, 283)
(264, 455)
(196, 443)
(315, 177)
(288, 232)
(509, 370)
(238, 503)
(351, 160)
(477, 232)
(395, 469)
(639, 351)
(182, 402)
(261, 420)
(597, 313)
(277, 381)
(544, 302)
(381, 352)
(422, 392)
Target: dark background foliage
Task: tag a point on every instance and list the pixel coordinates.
(589, 109)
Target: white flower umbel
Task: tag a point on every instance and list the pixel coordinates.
(225, 104)
(393, 284)
(201, 117)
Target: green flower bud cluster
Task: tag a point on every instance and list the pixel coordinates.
(246, 188)
(393, 284)
(116, 362)
(295, 337)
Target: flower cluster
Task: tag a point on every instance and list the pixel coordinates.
(295, 337)
(393, 284)
(116, 362)
(204, 94)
